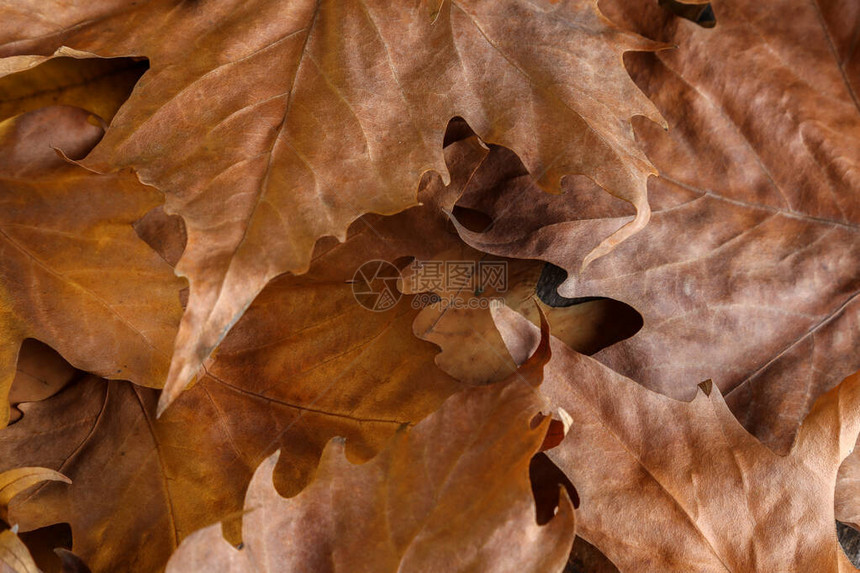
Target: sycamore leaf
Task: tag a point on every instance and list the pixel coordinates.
(73, 274)
(272, 124)
(678, 486)
(748, 271)
(450, 494)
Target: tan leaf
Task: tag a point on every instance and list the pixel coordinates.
(304, 364)
(97, 85)
(72, 272)
(293, 119)
(680, 486)
(13, 482)
(41, 373)
(848, 491)
(748, 271)
(450, 494)
(14, 557)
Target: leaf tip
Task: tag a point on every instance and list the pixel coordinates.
(706, 387)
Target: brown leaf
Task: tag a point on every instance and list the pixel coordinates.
(848, 491)
(40, 373)
(97, 85)
(293, 119)
(748, 271)
(15, 481)
(70, 263)
(304, 364)
(449, 494)
(335, 369)
(679, 486)
(14, 557)
(71, 563)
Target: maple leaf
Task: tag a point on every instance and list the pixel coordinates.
(323, 111)
(71, 264)
(713, 497)
(448, 516)
(748, 271)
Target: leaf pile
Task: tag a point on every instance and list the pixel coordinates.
(499, 285)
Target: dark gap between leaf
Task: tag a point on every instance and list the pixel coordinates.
(42, 542)
(546, 478)
(457, 130)
(701, 14)
(849, 539)
(473, 219)
(617, 320)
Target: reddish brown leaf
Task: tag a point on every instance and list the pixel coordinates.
(449, 494)
(848, 491)
(97, 85)
(679, 486)
(748, 271)
(72, 272)
(293, 119)
(15, 481)
(14, 557)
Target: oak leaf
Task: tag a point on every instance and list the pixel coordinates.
(449, 494)
(678, 486)
(272, 124)
(748, 271)
(73, 274)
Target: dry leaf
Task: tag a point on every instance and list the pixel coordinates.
(72, 272)
(459, 512)
(40, 373)
(681, 486)
(97, 85)
(304, 364)
(13, 482)
(293, 119)
(14, 557)
(748, 271)
(848, 491)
